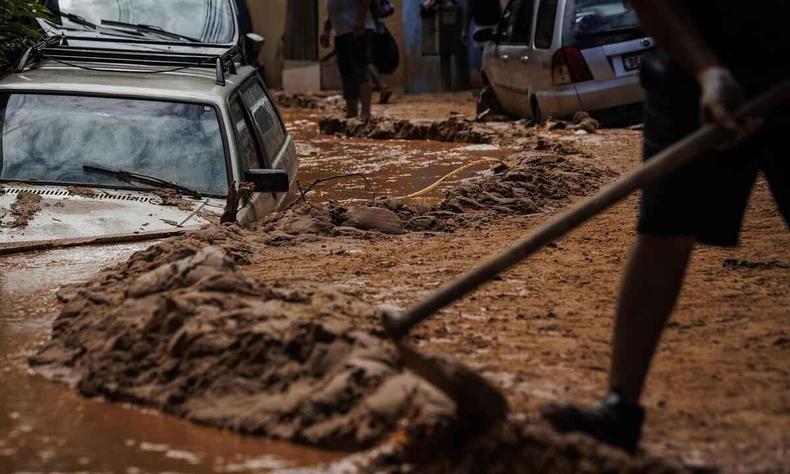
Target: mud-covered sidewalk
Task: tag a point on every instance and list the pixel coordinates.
(273, 330)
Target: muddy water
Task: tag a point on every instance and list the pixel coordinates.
(392, 167)
(46, 427)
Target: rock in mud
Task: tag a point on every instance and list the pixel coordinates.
(24, 209)
(197, 338)
(374, 218)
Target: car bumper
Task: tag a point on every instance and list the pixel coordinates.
(592, 96)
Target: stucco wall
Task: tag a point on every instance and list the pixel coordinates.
(268, 19)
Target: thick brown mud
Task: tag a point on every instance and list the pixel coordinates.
(24, 209)
(195, 337)
(525, 183)
(457, 129)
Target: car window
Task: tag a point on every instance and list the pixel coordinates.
(505, 22)
(269, 130)
(211, 21)
(48, 138)
(544, 28)
(248, 146)
(521, 22)
(596, 22)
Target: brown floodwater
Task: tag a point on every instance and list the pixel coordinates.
(48, 427)
(391, 167)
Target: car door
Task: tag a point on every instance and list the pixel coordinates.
(499, 58)
(519, 50)
(262, 143)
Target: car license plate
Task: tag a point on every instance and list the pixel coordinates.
(632, 62)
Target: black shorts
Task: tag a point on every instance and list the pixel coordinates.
(353, 61)
(707, 198)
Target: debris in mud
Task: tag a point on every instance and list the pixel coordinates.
(580, 121)
(453, 129)
(197, 338)
(533, 181)
(733, 263)
(171, 197)
(296, 100)
(24, 209)
(81, 191)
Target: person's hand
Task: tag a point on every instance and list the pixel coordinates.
(721, 97)
(325, 39)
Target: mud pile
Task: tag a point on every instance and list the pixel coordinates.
(532, 182)
(198, 339)
(295, 100)
(24, 209)
(454, 129)
(511, 447)
(580, 121)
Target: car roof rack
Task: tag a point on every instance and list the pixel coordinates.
(56, 48)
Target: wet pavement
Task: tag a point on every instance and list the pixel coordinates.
(47, 427)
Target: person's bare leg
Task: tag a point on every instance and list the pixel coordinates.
(651, 285)
(365, 97)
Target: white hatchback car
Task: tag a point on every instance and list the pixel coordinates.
(557, 57)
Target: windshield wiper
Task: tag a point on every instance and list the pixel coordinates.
(74, 18)
(143, 28)
(128, 176)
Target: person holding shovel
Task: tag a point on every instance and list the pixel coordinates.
(711, 57)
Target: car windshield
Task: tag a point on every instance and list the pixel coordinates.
(211, 21)
(48, 138)
(596, 17)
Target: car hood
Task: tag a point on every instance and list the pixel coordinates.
(30, 214)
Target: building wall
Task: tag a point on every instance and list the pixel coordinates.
(416, 74)
(268, 20)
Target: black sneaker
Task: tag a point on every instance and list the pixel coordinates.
(612, 420)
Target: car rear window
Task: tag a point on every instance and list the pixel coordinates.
(48, 138)
(596, 22)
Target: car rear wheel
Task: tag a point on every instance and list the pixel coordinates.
(487, 101)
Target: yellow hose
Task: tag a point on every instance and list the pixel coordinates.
(451, 174)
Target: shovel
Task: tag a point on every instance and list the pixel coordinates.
(477, 400)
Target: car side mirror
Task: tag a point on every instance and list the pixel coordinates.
(253, 43)
(484, 35)
(269, 180)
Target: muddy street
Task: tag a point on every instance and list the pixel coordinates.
(198, 339)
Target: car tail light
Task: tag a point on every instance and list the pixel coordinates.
(568, 66)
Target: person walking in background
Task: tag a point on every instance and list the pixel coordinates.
(353, 24)
(485, 14)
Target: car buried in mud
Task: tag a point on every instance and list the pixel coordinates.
(553, 58)
(106, 143)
